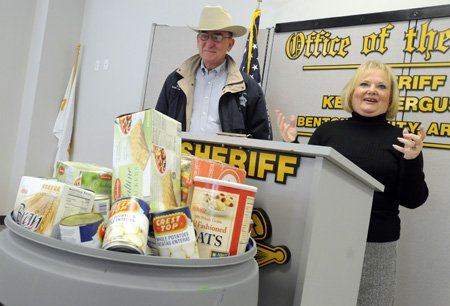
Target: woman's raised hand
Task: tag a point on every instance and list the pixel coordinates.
(412, 143)
(288, 130)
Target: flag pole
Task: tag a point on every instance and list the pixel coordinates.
(253, 32)
(63, 126)
(249, 62)
(77, 56)
(74, 79)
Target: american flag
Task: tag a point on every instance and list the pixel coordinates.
(250, 63)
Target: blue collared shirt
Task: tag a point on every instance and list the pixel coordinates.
(205, 108)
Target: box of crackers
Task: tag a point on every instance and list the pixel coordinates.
(146, 159)
(41, 203)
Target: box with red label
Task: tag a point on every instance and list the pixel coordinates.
(85, 175)
(146, 159)
(192, 166)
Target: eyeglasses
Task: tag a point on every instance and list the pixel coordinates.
(216, 37)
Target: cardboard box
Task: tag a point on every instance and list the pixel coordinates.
(146, 159)
(88, 176)
(217, 170)
(42, 203)
(193, 166)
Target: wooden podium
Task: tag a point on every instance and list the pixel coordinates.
(318, 203)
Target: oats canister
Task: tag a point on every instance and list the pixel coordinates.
(221, 213)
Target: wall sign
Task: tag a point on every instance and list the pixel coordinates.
(257, 163)
(316, 59)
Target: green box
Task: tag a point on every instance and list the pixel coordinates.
(146, 159)
(85, 175)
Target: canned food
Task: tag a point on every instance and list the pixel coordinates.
(174, 233)
(85, 228)
(127, 226)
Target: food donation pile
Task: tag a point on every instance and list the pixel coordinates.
(154, 201)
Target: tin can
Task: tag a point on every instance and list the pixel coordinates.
(127, 226)
(174, 233)
(85, 228)
(102, 204)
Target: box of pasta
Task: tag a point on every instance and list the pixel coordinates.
(85, 175)
(41, 203)
(146, 159)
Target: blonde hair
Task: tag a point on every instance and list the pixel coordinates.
(349, 88)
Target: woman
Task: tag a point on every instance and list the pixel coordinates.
(389, 154)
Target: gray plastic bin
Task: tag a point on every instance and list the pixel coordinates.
(43, 271)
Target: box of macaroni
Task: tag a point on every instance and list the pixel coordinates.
(146, 159)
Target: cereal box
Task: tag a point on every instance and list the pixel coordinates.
(42, 203)
(146, 159)
(85, 175)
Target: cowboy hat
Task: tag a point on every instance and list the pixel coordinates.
(216, 18)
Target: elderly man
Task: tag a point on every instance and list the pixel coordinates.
(208, 93)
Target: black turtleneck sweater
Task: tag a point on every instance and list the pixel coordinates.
(367, 142)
